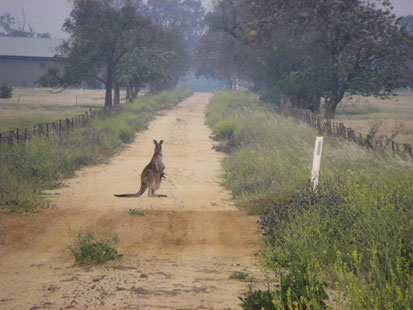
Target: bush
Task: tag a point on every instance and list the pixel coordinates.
(225, 129)
(5, 91)
(299, 289)
(87, 249)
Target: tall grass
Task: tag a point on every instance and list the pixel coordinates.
(355, 234)
(26, 170)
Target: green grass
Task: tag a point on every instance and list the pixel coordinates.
(355, 234)
(136, 212)
(26, 170)
(89, 249)
(238, 275)
(29, 116)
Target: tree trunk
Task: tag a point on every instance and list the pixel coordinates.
(315, 106)
(332, 102)
(135, 92)
(109, 87)
(330, 111)
(116, 98)
(128, 93)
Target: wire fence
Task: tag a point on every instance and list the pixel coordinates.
(328, 127)
(60, 128)
(338, 129)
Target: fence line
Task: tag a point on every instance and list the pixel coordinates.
(338, 129)
(60, 127)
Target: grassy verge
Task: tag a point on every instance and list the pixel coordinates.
(26, 170)
(32, 116)
(354, 236)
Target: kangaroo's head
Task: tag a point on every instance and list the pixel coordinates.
(158, 146)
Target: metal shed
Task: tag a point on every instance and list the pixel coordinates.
(24, 60)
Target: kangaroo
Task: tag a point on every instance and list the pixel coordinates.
(152, 174)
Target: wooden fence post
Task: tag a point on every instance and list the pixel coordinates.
(68, 126)
(11, 137)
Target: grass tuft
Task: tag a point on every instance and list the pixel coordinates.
(136, 212)
(88, 249)
(238, 275)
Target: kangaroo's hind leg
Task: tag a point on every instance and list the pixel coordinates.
(153, 194)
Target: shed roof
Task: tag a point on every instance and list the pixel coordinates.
(28, 47)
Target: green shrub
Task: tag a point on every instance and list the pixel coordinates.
(5, 91)
(299, 289)
(225, 129)
(89, 249)
(257, 299)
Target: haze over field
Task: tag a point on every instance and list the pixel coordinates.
(48, 15)
(44, 15)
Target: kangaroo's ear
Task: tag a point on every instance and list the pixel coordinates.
(160, 142)
(154, 141)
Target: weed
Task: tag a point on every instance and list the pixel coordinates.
(136, 212)
(89, 249)
(299, 289)
(238, 275)
(257, 299)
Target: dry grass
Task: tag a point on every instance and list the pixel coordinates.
(360, 113)
(31, 106)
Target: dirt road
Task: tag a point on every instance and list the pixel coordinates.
(178, 256)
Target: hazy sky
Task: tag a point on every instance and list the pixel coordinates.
(48, 15)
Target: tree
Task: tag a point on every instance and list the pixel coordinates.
(407, 21)
(366, 56)
(221, 53)
(141, 68)
(185, 17)
(182, 24)
(14, 29)
(101, 33)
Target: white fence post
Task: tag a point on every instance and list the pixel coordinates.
(315, 173)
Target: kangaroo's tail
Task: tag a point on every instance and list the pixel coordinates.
(141, 191)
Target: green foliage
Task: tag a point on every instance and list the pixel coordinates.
(257, 299)
(299, 289)
(89, 249)
(5, 91)
(308, 49)
(238, 275)
(136, 212)
(27, 169)
(355, 232)
(225, 129)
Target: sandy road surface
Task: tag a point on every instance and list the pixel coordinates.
(178, 256)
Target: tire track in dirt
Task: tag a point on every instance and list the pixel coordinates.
(178, 256)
